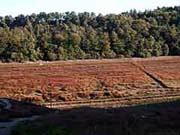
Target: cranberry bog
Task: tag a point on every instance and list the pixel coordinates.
(167, 70)
(96, 83)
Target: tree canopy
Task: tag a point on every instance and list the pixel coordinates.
(62, 36)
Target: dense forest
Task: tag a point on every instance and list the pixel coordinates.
(62, 36)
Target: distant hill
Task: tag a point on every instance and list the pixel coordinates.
(61, 36)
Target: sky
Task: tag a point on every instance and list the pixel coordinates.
(16, 7)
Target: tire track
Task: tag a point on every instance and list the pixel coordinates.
(150, 75)
(116, 102)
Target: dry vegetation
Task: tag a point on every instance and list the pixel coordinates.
(168, 70)
(88, 80)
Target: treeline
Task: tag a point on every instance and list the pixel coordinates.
(56, 36)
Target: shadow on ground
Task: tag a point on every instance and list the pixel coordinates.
(21, 109)
(154, 119)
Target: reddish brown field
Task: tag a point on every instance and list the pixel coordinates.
(85, 80)
(167, 70)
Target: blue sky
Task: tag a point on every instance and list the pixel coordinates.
(16, 7)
